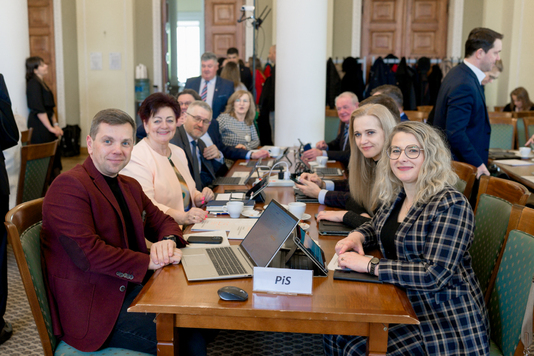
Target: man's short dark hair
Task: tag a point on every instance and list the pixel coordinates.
(392, 91)
(191, 92)
(113, 117)
(480, 37)
(386, 101)
(232, 50)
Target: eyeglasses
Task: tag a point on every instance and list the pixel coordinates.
(412, 152)
(199, 120)
(184, 103)
(241, 100)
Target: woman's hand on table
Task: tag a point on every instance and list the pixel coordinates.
(312, 177)
(331, 215)
(353, 242)
(203, 197)
(309, 188)
(195, 215)
(354, 261)
(530, 141)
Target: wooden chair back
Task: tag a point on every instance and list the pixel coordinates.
(499, 114)
(26, 136)
(35, 168)
(498, 108)
(503, 132)
(420, 116)
(467, 174)
(425, 108)
(514, 192)
(519, 114)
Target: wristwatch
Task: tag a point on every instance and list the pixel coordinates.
(170, 237)
(372, 265)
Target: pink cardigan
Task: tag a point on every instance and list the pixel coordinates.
(157, 177)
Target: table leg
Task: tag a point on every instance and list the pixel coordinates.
(377, 342)
(167, 336)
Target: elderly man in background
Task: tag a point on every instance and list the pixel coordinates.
(339, 148)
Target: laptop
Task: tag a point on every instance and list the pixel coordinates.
(236, 180)
(237, 261)
(328, 171)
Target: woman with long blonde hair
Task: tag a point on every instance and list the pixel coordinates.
(369, 127)
(424, 228)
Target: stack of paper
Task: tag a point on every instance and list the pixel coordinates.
(237, 228)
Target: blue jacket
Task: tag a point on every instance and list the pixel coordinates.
(461, 113)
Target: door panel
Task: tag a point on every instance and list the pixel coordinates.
(222, 29)
(41, 30)
(426, 24)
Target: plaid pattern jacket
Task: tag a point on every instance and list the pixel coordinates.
(434, 266)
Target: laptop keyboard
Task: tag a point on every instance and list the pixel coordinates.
(225, 261)
(227, 180)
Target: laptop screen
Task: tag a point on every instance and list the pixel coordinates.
(269, 234)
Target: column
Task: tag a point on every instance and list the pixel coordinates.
(301, 34)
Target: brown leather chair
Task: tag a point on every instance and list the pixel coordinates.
(467, 174)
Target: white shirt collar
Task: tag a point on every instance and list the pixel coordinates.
(480, 74)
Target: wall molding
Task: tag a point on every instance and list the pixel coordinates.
(157, 45)
(356, 28)
(60, 66)
(455, 28)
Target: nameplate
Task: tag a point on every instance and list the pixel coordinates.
(282, 280)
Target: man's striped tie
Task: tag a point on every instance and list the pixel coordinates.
(204, 94)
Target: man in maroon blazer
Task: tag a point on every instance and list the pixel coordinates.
(93, 244)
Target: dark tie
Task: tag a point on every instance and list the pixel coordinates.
(345, 136)
(204, 93)
(194, 162)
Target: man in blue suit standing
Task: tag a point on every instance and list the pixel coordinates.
(215, 91)
(460, 109)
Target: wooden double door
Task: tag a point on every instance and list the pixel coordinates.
(405, 28)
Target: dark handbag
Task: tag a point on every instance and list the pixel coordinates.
(9, 132)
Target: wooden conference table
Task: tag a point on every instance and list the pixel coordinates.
(336, 307)
(518, 172)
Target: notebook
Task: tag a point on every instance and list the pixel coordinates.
(237, 261)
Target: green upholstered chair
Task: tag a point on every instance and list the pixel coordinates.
(503, 133)
(23, 224)
(528, 122)
(521, 133)
(509, 296)
(491, 223)
(35, 168)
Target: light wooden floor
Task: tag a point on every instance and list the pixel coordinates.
(69, 162)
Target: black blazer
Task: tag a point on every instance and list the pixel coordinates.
(461, 113)
(209, 167)
(246, 77)
(8, 126)
(335, 148)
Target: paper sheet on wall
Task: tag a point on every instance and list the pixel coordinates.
(236, 228)
(95, 59)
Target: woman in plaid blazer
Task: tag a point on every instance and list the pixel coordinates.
(424, 229)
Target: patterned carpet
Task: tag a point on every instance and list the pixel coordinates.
(25, 340)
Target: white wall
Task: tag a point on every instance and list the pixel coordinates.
(104, 27)
(16, 46)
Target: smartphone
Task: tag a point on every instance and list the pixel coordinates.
(295, 179)
(205, 239)
(307, 147)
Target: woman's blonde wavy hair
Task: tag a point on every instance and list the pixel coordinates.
(362, 169)
(436, 171)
